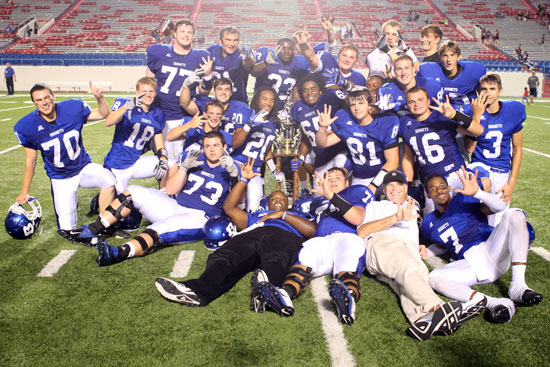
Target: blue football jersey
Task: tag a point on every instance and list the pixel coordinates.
(132, 134)
(256, 143)
(460, 227)
(206, 188)
(366, 144)
(170, 70)
(494, 146)
(235, 116)
(329, 220)
(330, 65)
(230, 67)
(308, 119)
(392, 97)
(279, 76)
(193, 140)
(254, 218)
(433, 142)
(460, 89)
(59, 142)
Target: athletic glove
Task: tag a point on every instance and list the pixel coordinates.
(271, 58)
(161, 169)
(382, 44)
(279, 177)
(259, 117)
(335, 78)
(191, 160)
(193, 78)
(228, 164)
(295, 164)
(134, 102)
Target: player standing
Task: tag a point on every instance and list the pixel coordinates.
(171, 65)
(55, 129)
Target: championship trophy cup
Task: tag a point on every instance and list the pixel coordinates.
(286, 144)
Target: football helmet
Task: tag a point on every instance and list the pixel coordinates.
(94, 205)
(132, 222)
(217, 230)
(21, 223)
(302, 205)
(531, 231)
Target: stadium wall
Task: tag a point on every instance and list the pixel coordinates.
(123, 78)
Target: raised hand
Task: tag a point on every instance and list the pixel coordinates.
(469, 182)
(324, 117)
(479, 104)
(445, 108)
(271, 58)
(405, 214)
(191, 160)
(161, 169)
(247, 171)
(228, 164)
(206, 66)
(134, 102)
(96, 91)
(193, 78)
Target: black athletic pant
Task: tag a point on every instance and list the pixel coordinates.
(270, 248)
(9, 85)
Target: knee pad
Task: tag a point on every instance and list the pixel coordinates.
(125, 202)
(351, 281)
(297, 279)
(156, 241)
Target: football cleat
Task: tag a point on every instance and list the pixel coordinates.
(344, 301)
(443, 321)
(256, 303)
(177, 292)
(276, 299)
(499, 314)
(107, 253)
(470, 309)
(529, 298)
(21, 223)
(82, 235)
(115, 233)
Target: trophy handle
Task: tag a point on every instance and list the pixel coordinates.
(296, 182)
(278, 163)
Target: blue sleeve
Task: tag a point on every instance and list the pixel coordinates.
(118, 103)
(391, 124)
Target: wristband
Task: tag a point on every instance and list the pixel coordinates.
(242, 179)
(206, 82)
(271, 165)
(340, 204)
(162, 152)
(284, 216)
(463, 120)
(379, 178)
(453, 116)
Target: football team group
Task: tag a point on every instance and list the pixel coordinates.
(416, 139)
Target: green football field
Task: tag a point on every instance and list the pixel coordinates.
(84, 315)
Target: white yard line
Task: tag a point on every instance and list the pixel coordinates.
(540, 118)
(535, 152)
(182, 264)
(16, 108)
(56, 263)
(332, 328)
(542, 252)
(8, 119)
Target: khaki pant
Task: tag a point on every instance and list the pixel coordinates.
(398, 263)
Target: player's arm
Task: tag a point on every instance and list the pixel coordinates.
(230, 206)
(180, 132)
(323, 137)
(466, 125)
(470, 143)
(302, 38)
(392, 162)
(517, 150)
(239, 136)
(176, 181)
(102, 110)
(186, 102)
(305, 227)
(149, 73)
(490, 202)
(407, 162)
(115, 116)
(28, 174)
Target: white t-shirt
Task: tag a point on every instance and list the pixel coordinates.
(406, 230)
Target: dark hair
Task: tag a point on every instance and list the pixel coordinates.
(339, 169)
(184, 22)
(214, 103)
(286, 39)
(416, 89)
(214, 134)
(255, 102)
(449, 45)
(403, 57)
(360, 94)
(431, 28)
(432, 176)
(40, 86)
(223, 81)
(316, 78)
(491, 79)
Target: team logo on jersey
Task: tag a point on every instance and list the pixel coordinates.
(349, 123)
(168, 55)
(40, 127)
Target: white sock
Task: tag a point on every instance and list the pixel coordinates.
(518, 274)
(132, 250)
